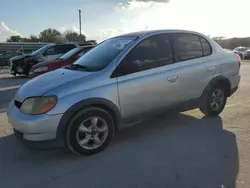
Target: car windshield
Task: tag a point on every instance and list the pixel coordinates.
(241, 49)
(100, 56)
(40, 50)
(70, 53)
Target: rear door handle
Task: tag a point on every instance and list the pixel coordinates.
(172, 78)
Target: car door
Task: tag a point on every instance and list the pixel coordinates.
(145, 81)
(194, 65)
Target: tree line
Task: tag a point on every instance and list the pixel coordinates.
(51, 35)
(233, 42)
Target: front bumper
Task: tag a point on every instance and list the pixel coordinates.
(33, 127)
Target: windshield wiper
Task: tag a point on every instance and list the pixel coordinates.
(78, 66)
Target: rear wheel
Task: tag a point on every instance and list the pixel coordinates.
(90, 131)
(214, 101)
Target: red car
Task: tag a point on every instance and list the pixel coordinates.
(66, 59)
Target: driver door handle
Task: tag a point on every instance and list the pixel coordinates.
(172, 79)
(210, 69)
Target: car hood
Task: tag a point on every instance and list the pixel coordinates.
(19, 57)
(49, 81)
(45, 63)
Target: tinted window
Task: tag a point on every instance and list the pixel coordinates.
(51, 50)
(151, 53)
(101, 55)
(70, 53)
(65, 48)
(40, 50)
(83, 52)
(207, 50)
(188, 46)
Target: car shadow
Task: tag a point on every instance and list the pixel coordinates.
(165, 151)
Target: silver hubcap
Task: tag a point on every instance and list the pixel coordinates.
(92, 133)
(217, 99)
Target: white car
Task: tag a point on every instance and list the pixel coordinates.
(125, 78)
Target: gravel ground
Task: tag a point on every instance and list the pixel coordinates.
(184, 150)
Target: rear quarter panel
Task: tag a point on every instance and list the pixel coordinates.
(230, 68)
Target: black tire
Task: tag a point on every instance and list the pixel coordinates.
(241, 56)
(207, 108)
(76, 121)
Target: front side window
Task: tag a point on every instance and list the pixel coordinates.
(101, 55)
(50, 51)
(153, 52)
(40, 50)
(188, 46)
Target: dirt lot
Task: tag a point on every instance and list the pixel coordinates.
(184, 150)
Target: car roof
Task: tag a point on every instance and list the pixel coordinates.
(88, 46)
(149, 32)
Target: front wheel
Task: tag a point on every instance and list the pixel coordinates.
(90, 131)
(214, 101)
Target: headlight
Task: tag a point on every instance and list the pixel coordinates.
(40, 69)
(38, 105)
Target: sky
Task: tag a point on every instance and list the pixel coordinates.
(102, 19)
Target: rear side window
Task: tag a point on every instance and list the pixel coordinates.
(187, 46)
(207, 50)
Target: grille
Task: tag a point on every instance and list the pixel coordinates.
(17, 104)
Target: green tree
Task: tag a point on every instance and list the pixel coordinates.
(34, 38)
(50, 35)
(82, 38)
(31, 38)
(71, 36)
(15, 38)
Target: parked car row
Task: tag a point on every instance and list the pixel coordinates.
(23, 64)
(122, 79)
(243, 52)
(64, 60)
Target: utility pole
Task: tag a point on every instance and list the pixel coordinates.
(80, 21)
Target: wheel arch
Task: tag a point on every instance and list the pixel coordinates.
(218, 80)
(104, 104)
